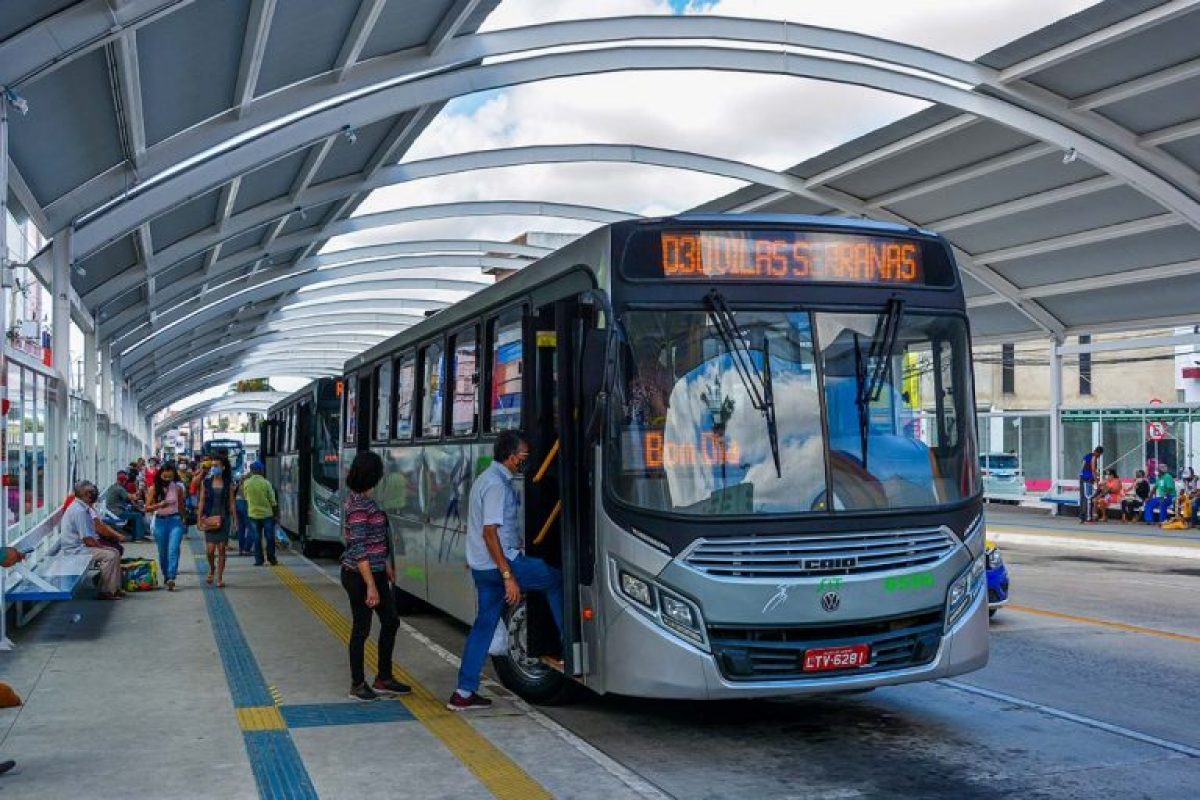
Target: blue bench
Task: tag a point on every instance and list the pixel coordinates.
(46, 575)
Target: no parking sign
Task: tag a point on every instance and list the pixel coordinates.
(1156, 431)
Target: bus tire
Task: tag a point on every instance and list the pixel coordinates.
(527, 677)
(406, 602)
(309, 548)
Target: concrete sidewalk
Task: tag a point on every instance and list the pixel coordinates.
(1026, 527)
(241, 693)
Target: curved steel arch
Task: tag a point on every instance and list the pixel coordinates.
(385, 72)
(120, 326)
(211, 346)
(253, 402)
(386, 102)
(300, 368)
(449, 165)
(135, 276)
(403, 216)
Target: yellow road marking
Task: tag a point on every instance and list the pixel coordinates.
(1120, 626)
(495, 770)
(260, 718)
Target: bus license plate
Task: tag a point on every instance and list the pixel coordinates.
(827, 658)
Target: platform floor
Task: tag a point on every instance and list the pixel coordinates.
(241, 693)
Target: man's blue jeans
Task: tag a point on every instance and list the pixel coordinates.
(168, 535)
(139, 523)
(533, 575)
(1158, 504)
(260, 528)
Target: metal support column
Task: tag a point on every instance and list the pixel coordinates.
(90, 465)
(60, 288)
(1056, 396)
(6, 282)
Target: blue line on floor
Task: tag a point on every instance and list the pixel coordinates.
(278, 768)
(322, 714)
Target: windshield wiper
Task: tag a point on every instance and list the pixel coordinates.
(757, 382)
(879, 362)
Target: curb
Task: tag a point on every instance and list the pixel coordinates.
(1185, 550)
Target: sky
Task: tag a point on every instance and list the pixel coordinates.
(769, 121)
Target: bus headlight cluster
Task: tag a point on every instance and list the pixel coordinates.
(673, 612)
(964, 590)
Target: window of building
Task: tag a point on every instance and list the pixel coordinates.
(1008, 368)
(432, 390)
(1085, 368)
(507, 366)
(405, 395)
(464, 408)
(383, 400)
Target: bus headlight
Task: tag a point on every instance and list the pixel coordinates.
(676, 614)
(964, 591)
(636, 589)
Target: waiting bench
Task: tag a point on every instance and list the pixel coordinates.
(1062, 502)
(46, 575)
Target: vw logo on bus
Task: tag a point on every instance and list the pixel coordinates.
(830, 601)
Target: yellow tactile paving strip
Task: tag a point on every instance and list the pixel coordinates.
(495, 770)
(260, 718)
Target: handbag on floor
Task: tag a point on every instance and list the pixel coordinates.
(139, 574)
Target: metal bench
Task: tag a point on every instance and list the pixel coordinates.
(46, 575)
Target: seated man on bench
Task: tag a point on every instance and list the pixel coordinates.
(121, 505)
(77, 535)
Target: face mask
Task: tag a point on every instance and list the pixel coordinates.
(215, 472)
(521, 465)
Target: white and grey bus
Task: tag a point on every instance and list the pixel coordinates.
(753, 456)
(300, 450)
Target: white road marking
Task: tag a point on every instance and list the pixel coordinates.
(1069, 716)
(1001, 536)
(631, 779)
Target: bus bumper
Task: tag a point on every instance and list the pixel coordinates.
(660, 665)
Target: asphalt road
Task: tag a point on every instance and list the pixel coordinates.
(1107, 706)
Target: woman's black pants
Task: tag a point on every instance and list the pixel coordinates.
(356, 588)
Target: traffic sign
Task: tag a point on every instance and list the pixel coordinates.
(1156, 430)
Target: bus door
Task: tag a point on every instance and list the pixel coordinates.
(304, 427)
(555, 479)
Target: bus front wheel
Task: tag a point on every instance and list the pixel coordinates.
(526, 676)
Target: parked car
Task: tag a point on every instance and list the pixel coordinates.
(1003, 477)
(997, 578)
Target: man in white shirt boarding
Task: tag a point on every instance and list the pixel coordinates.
(500, 569)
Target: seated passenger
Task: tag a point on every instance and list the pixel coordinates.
(1136, 497)
(119, 503)
(1108, 493)
(1158, 507)
(77, 536)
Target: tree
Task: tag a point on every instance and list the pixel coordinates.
(252, 385)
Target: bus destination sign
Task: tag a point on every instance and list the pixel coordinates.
(791, 257)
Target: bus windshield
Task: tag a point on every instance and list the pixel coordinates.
(690, 441)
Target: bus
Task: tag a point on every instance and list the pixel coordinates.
(753, 457)
(234, 450)
(300, 451)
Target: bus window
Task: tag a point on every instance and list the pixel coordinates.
(432, 399)
(405, 388)
(464, 408)
(383, 400)
(505, 393)
(351, 409)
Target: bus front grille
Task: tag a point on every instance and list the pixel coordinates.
(813, 555)
(747, 653)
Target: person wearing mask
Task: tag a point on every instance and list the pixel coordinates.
(1109, 493)
(368, 576)
(1087, 483)
(77, 536)
(243, 521)
(121, 505)
(499, 567)
(1158, 507)
(215, 516)
(262, 512)
(166, 498)
(1137, 496)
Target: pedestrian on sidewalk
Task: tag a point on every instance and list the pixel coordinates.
(243, 520)
(215, 517)
(262, 512)
(77, 536)
(1087, 483)
(166, 498)
(1108, 493)
(369, 577)
(1139, 493)
(499, 566)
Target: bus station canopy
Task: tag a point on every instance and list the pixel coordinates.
(192, 158)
